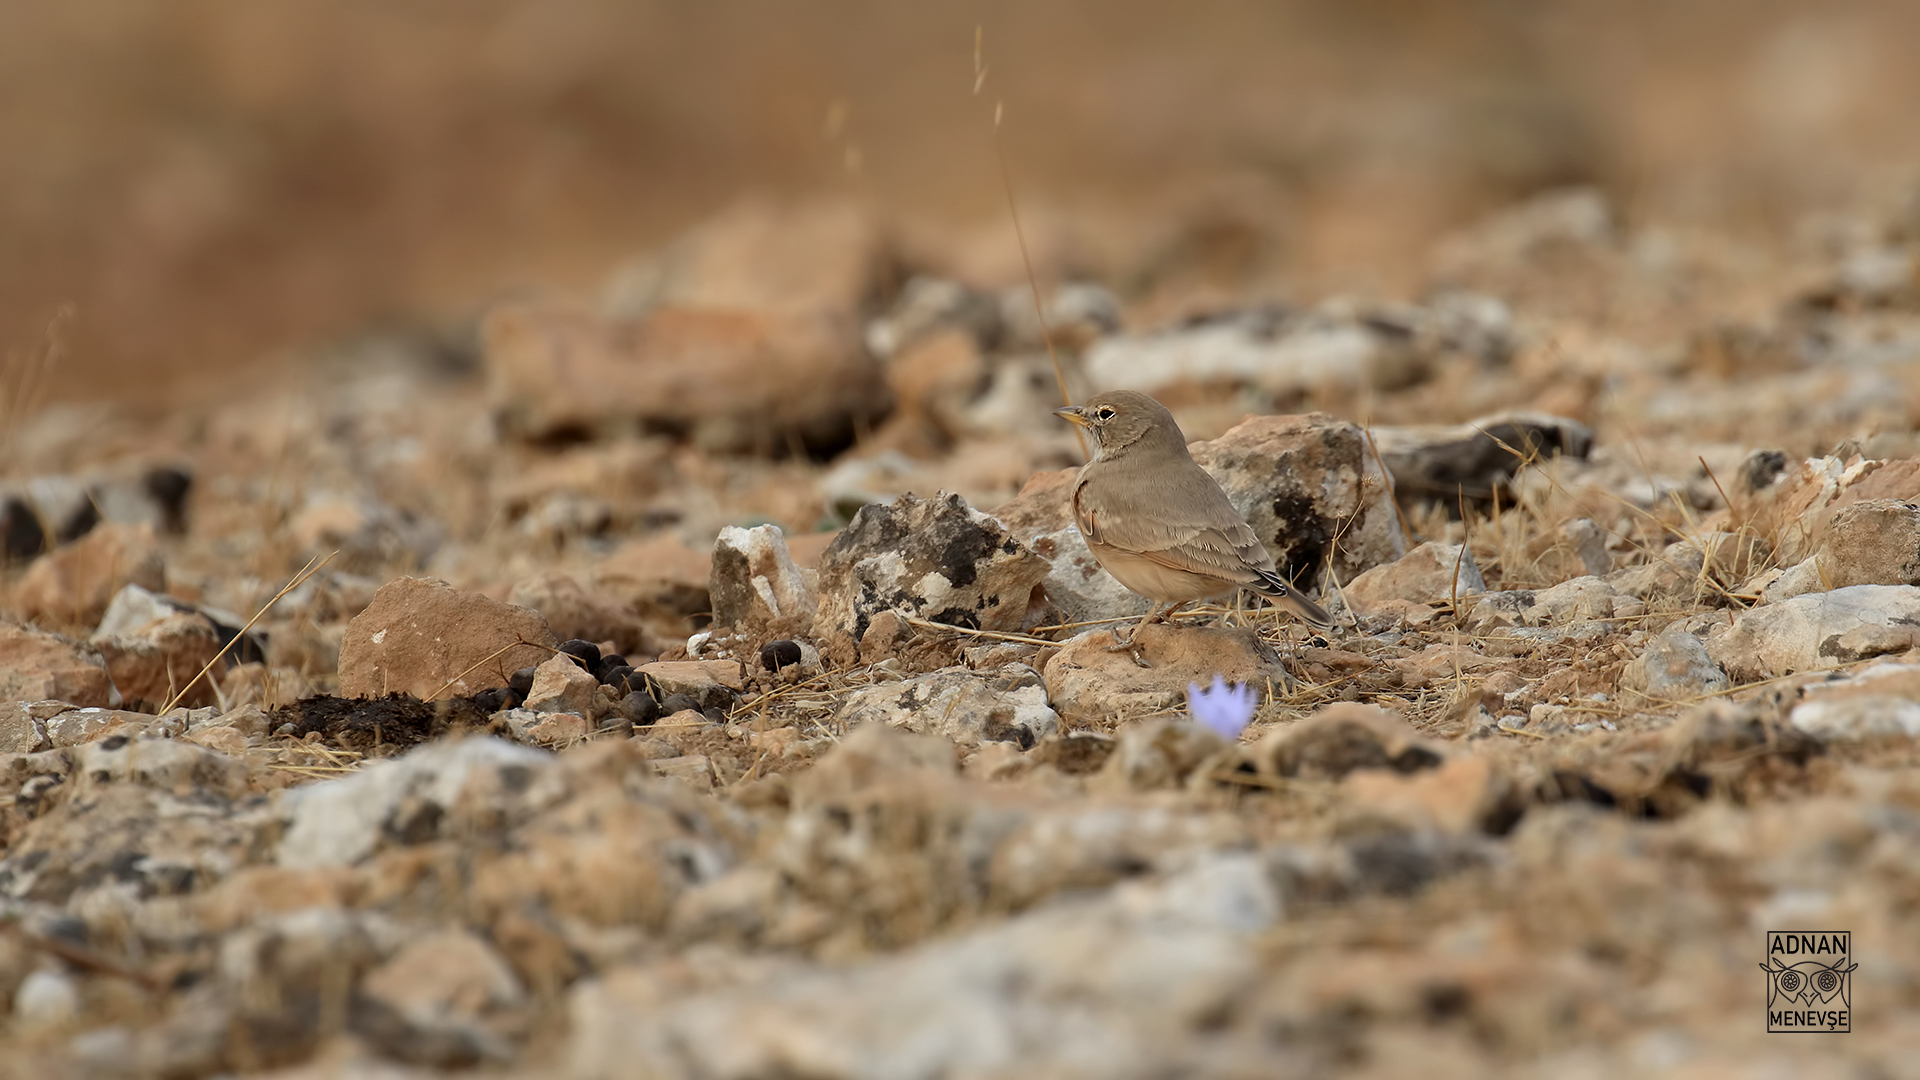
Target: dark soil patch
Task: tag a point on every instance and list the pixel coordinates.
(378, 726)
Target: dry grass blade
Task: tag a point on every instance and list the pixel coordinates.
(298, 580)
(487, 659)
(995, 635)
(1020, 235)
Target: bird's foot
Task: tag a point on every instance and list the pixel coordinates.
(1129, 646)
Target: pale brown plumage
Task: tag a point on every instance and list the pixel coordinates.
(1156, 520)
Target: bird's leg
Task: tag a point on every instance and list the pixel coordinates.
(1127, 645)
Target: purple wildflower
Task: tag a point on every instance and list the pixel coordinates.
(1222, 709)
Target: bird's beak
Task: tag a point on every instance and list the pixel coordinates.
(1072, 415)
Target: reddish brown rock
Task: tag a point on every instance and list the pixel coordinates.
(423, 636)
(157, 661)
(71, 587)
(38, 666)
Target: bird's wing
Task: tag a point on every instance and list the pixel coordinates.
(1177, 517)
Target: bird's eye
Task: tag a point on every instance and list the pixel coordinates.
(1104, 412)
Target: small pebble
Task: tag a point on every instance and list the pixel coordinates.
(775, 655)
(584, 653)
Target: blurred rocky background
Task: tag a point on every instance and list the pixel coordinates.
(209, 184)
(533, 540)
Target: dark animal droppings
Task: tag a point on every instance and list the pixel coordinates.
(775, 655)
(492, 701)
(608, 664)
(584, 653)
(522, 683)
(678, 703)
(640, 709)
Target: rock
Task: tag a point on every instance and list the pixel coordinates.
(736, 379)
(1674, 665)
(1155, 754)
(1041, 506)
(821, 255)
(1432, 574)
(575, 609)
(1278, 351)
(694, 770)
(662, 579)
(67, 726)
(1877, 703)
(422, 636)
(1582, 599)
(48, 997)
(757, 589)
(1818, 630)
(1799, 579)
(1675, 572)
(1080, 589)
(1871, 542)
(1089, 684)
(712, 684)
(744, 333)
(1507, 607)
(153, 646)
(1341, 738)
(435, 991)
(370, 536)
(1443, 464)
(38, 666)
(934, 559)
(1006, 705)
(170, 765)
(73, 585)
(1794, 511)
(1513, 240)
(21, 731)
(1466, 793)
(1301, 481)
(562, 686)
(1109, 984)
(1589, 544)
(552, 730)
(408, 799)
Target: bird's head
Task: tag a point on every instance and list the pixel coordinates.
(1121, 419)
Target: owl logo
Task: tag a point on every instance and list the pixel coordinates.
(1808, 983)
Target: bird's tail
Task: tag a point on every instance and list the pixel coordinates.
(1288, 598)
